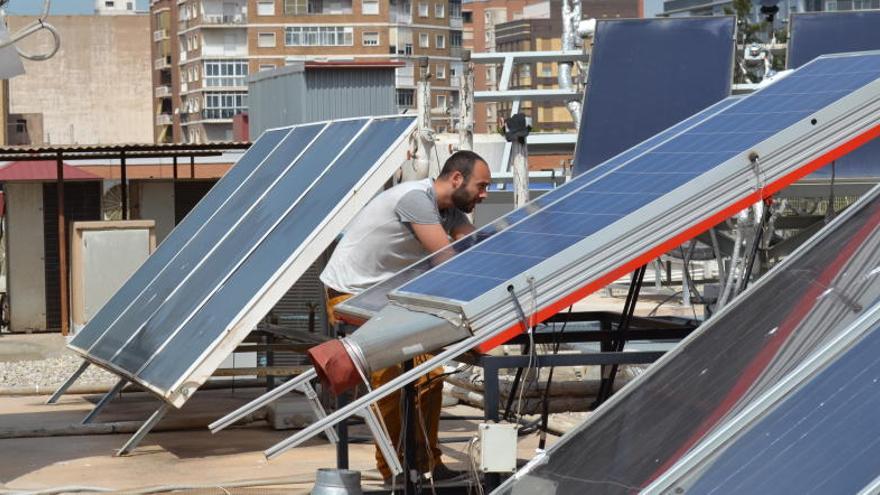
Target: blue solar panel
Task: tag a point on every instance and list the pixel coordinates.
(373, 299)
(821, 33)
(688, 62)
(823, 438)
(689, 154)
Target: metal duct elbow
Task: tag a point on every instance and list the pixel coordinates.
(395, 335)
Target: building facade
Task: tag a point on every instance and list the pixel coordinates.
(95, 90)
(204, 51)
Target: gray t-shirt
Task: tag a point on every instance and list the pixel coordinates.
(380, 241)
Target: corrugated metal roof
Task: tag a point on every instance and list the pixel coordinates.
(45, 170)
(127, 147)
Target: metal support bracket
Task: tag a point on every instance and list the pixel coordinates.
(383, 440)
(66, 385)
(104, 401)
(145, 428)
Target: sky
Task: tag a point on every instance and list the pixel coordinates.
(59, 7)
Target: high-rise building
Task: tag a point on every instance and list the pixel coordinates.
(204, 50)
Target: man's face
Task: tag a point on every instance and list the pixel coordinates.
(468, 193)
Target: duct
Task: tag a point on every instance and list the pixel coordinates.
(395, 335)
(571, 17)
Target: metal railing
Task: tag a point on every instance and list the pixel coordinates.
(163, 119)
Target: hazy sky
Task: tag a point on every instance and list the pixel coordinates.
(58, 7)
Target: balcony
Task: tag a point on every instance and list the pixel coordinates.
(455, 51)
(220, 113)
(162, 63)
(400, 17)
(163, 119)
(456, 23)
(455, 82)
(160, 34)
(224, 20)
(182, 58)
(162, 91)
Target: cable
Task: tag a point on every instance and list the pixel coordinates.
(545, 406)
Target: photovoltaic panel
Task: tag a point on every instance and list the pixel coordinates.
(688, 61)
(733, 359)
(630, 190)
(822, 33)
(198, 304)
(364, 305)
(822, 438)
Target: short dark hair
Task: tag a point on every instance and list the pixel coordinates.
(461, 161)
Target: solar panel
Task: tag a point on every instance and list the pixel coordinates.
(609, 224)
(184, 317)
(820, 33)
(688, 61)
(737, 356)
(368, 303)
(804, 445)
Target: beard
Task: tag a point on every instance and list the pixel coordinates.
(463, 200)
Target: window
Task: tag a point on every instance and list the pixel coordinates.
(424, 40)
(296, 7)
(440, 41)
(226, 73)
(266, 7)
(21, 126)
(455, 9)
(441, 101)
(108, 4)
(224, 105)
(546, 70)
(370, 7)
(439, 10)
(440, 71)
(455, 39)
(407, 49)
(406, 97)
(265, 40)
(831, 5)
(267, 67)
(370, 39)
(196, 42)
(423, 9)
(318, 36)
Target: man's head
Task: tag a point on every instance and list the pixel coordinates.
(469, 176)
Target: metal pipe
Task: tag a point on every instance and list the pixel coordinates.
(62, 245)
(571, 16)
(124, 185)
(466, 105)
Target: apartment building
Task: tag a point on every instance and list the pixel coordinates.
(212, 45)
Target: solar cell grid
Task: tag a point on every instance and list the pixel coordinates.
(691, 153)
(372, 300)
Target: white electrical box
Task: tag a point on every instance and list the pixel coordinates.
(497, 447)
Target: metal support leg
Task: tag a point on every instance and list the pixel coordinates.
(607, 383)
(261, 401)
(139, 435)
(104, 401)
(491, 398)
(318, 409)
(342, 434)
(66, 385)
(380, 434)
(410, 464)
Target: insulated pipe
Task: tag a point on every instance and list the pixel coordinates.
(395, 335)
(571, 17)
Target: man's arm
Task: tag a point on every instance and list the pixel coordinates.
(431, 235)
(462, 230)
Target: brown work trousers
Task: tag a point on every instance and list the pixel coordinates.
(429, 398)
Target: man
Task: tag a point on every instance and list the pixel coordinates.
(397, 228)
